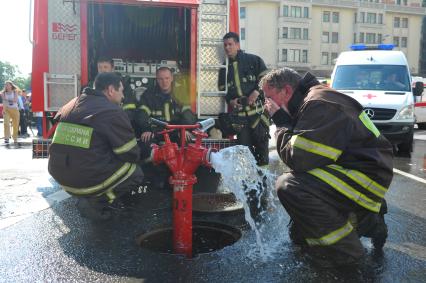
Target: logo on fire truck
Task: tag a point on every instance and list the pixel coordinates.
(62, 31)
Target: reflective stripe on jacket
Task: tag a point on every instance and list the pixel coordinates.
(161, 106)
(94, 146)
(331, 138)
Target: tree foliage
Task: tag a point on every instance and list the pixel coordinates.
(9, 72)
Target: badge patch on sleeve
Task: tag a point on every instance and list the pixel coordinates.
(73, 135)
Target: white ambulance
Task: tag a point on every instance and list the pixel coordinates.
(379, 79)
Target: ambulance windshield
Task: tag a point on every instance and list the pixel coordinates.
(372, 77)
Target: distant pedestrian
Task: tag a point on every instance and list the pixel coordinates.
(39, 123)
(10, 111)
(22, 114)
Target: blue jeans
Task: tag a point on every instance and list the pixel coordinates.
(39, 125)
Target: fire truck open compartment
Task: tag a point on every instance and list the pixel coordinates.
(139, 34)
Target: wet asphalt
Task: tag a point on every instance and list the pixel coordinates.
(44, 239)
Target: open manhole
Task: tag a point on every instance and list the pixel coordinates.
(206, 237)
(209, 202)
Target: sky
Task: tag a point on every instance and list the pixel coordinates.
(14, 27)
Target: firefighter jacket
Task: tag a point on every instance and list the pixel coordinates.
(244, 73)
(94, 147)
(161, 106)
(129, 101)
(329, 136)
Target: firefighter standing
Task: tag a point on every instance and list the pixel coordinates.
(341, 167)
(159, 103)
(94, 152)
(243, 96)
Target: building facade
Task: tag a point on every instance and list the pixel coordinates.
(308, 35)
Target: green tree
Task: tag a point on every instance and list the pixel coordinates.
(9, 72)
(23, 83)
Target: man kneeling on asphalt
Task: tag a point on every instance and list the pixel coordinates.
(94, 152)
(341, 167)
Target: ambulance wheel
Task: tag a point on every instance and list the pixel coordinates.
(407, 146)
(422, 126)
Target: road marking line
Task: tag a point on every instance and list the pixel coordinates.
(408, 175)
(413, 250)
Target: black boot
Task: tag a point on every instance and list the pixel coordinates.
(295, 235)
(379, 234)
(93, 209)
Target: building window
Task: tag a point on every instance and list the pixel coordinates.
(404, 23)
(398, 2)
(379, 38)
(355, 17)
(285, 11)
(371, 18)
(403, 42)
(396, 22)
(370, 38)
(405, 2)
(304, 56)
(333, 57)
(294, 55)
(326, 16)
(380, 21)
(242, 12)
(243, 34)
(305, 34)
(362, 17)
(335, 17)
(325, 37)
(306, 12)
(296, 12)
(284, 55)
(361, 37)
(295, 33)
(285, 32)
(354, 38)
(396, 41)
(334, 37)
(324, 58)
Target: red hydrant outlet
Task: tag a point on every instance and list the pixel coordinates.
(182, 161)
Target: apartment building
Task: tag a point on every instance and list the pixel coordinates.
(308, 35)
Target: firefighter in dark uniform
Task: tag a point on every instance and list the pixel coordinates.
(244, 97)
(341, 167)
(94, 153)
(159, 103)
(106, 65)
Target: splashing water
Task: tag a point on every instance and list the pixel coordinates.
(253, 186)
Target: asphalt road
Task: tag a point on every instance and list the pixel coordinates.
(43, 239)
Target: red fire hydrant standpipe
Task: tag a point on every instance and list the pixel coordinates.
(182, 162)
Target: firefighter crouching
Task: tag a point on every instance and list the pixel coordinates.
(248, 121)
(160, 102)
(94, 153)
(341, 167)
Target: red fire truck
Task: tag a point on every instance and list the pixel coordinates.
(70, 35)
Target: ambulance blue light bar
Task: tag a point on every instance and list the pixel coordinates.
(358, 47)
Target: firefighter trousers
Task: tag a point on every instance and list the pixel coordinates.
(101, 207)
(257, 140)
(321, 217)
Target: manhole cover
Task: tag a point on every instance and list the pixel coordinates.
(14, 181)
(207, 202)
(206, 237)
